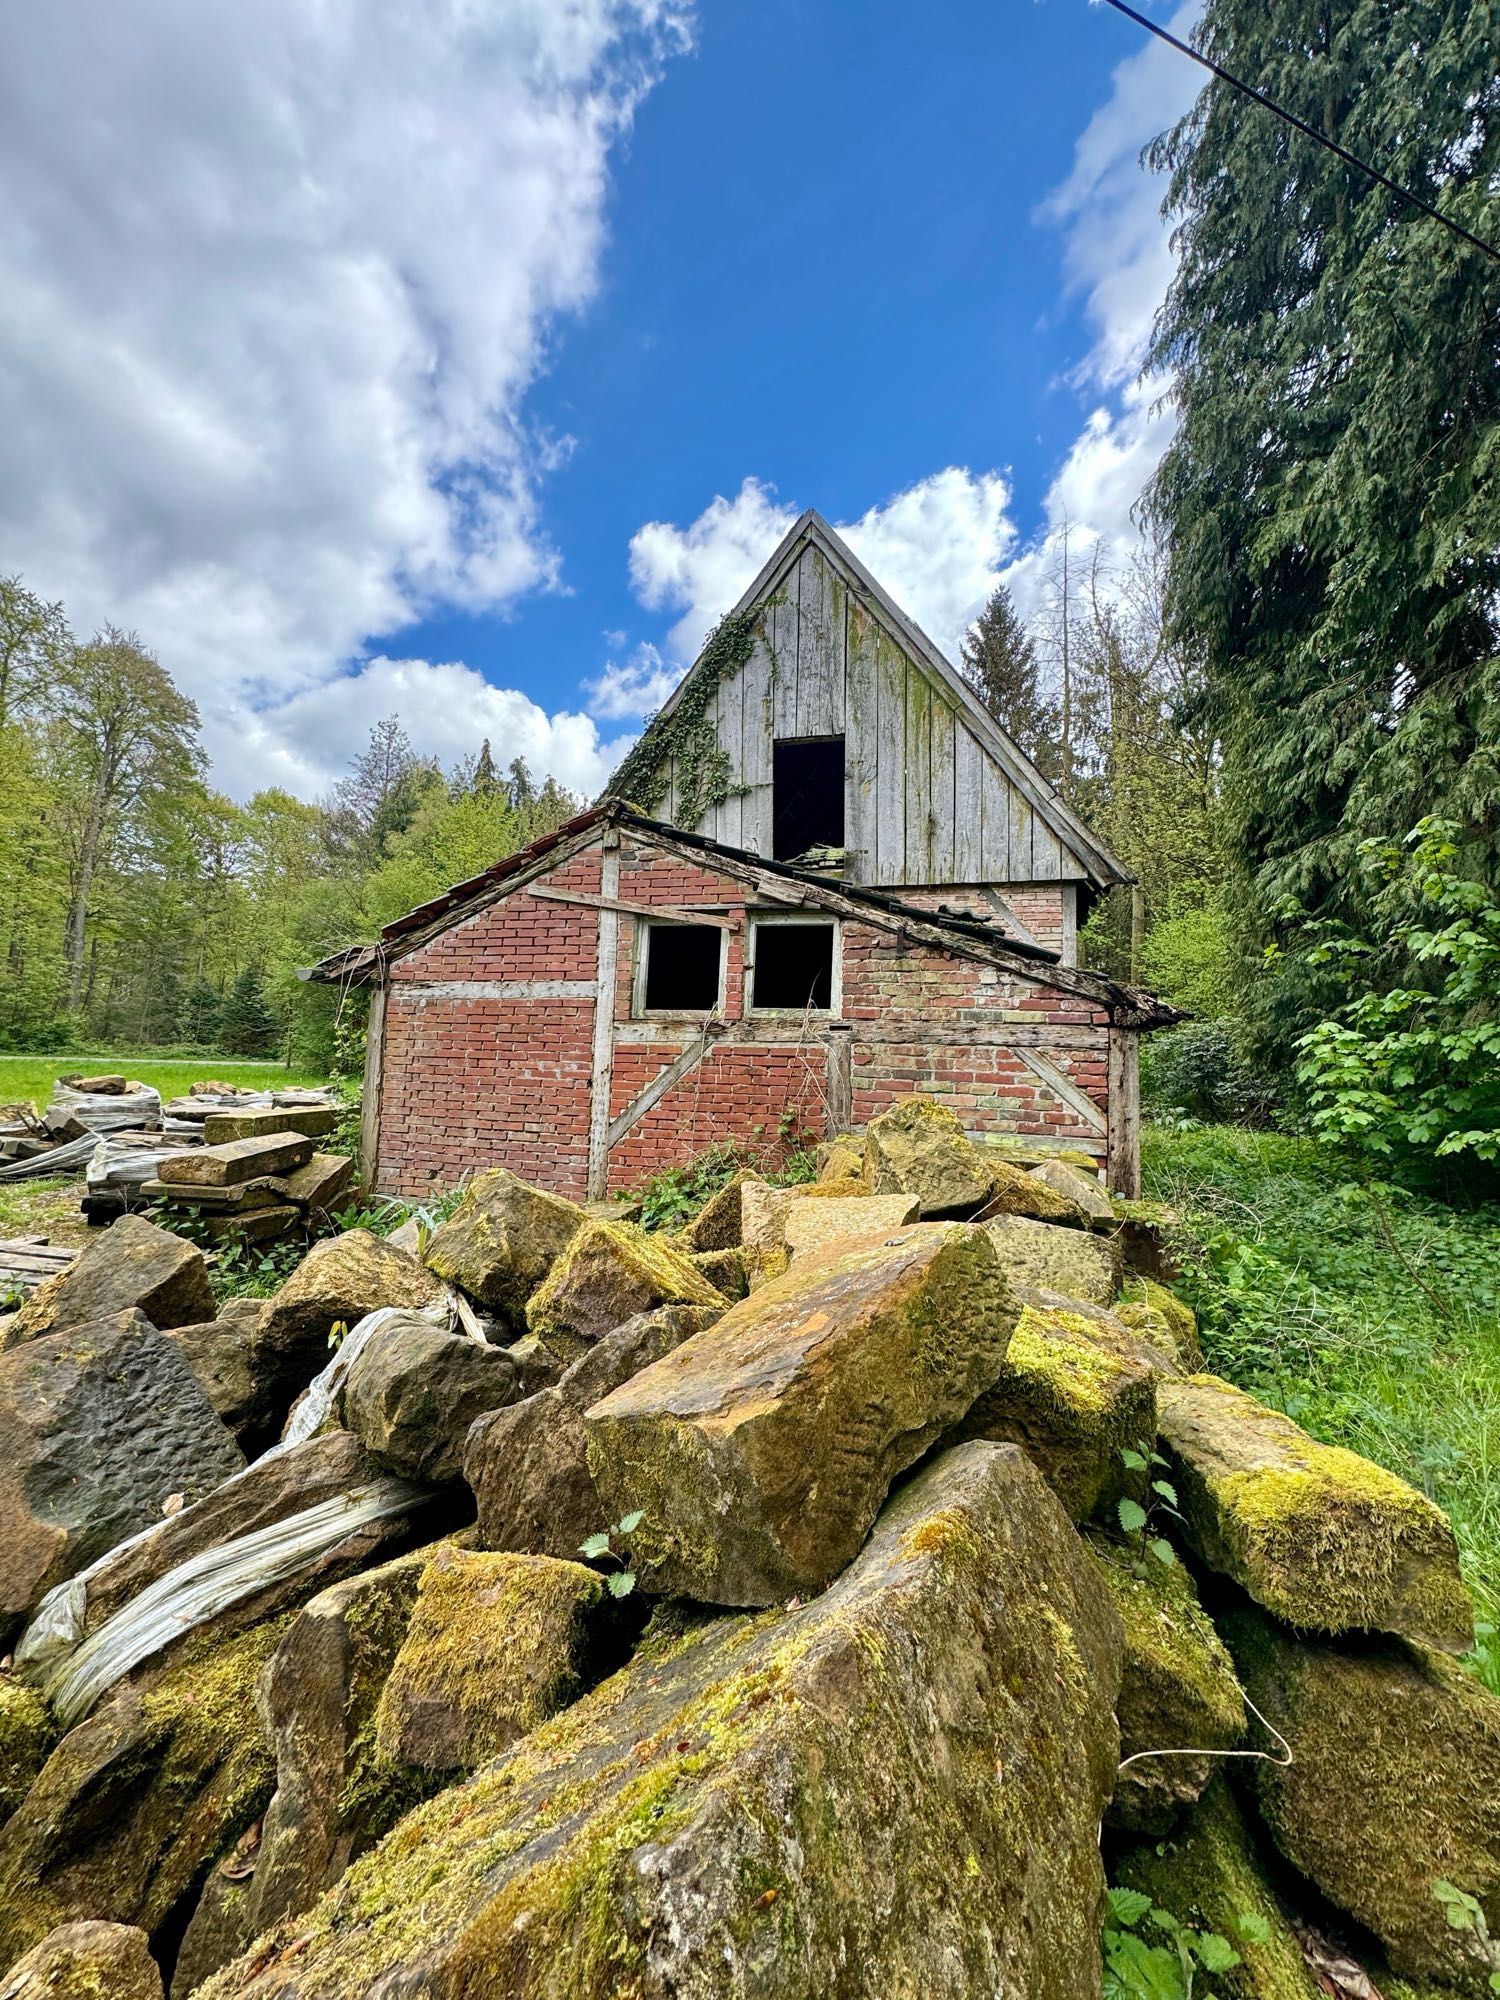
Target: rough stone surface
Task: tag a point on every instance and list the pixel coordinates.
(102, 1425)
(724, 1269)
(1319, 1536)
(1021, 1191)
(812, 1227)
(767, 1212)
(528, 1464)
(1212, 1877)
(842, 1159)
(1075, 1390)
(500, 1241)
(919, 1148)
(1178, 1691)
(132, 1264)
(221, 1354)
(893, 1790)
(1083, 1190)
(134, 1802)
(1394, 1784)
(239, 1160)
(496, 1644)
(219, 1127)
(26, 1736)
(716, 1226)
(85, 1961)
(342, 1278)
(1164, 1319)
(414, 1390)
(608, 1273)
(761, 1450)
(1069, 1261)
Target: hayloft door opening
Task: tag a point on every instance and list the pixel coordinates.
(807, 795)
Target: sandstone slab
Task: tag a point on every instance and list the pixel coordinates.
(221, 1354)
(500, 1241)
(85, 1961)
(1077, 1264)
(919, 1148)
(239, 1160)
(608, 1273)
(312, 1121)
(1318, 1535)
(415, 1389)
(103, 1424)
(1083, 1190)
(786, 1805)
(813, 1227)
(528, 1465)
(134, 1264)
(716, 1226)
(340, 1279)
(761, 1450)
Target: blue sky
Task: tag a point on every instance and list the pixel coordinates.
(468, 366)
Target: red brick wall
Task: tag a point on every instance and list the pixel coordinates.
(479, 1080)
(1039, 905)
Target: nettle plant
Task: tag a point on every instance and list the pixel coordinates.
(1140, 1521)
(1465, 1913)
(599, 1548)
(1137, 1968)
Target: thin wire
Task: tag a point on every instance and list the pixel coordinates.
(1300, 125)
(1263, 1756)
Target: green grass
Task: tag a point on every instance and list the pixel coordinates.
(1370, 1314)
(29, 1079)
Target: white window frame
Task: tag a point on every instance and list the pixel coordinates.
(639, 1011)
(765, 919)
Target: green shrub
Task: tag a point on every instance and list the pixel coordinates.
(1199, 1068)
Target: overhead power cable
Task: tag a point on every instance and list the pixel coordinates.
(1280, 111)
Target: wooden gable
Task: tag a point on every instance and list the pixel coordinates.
(934, 791)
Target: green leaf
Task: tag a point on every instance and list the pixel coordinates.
(596, 1545)
(1217, 1953)
(1253, 1927)
(1132, 1516)
(1133, 1461)
(622, 1583)
(1128, 1906)
(1166, 1489)
(1163, 1550)
(628, 1523)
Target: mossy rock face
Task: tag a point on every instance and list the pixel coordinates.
(1163, 1318)
(1079, 1186)
(724, 1270)
(134, 1802)
(1075, 1391)
(1318, 1535)
(760, 1451)
(500, 1241)
(919, 1148)
(340, 1279)
(1212, 1878)
(1072, 1262)
(815, 1229)
(1394, 1784)
(1178, 1691)
(1034, 1192)
(496, 1644)
(842, 1159)
(528, 1464)
(894, 1789)
(26, 1736)
(716, 1226)
(415, 1389)
(610, 1272)
(86, 1961)
(133, 1264)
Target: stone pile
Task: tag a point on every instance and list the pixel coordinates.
(774, 1609)
(257, 1178)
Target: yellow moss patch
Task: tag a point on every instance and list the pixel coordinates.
(610, 1271)
(26, 1735)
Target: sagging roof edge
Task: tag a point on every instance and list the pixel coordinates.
(357, 965)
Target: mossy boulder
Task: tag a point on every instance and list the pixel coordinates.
(1178, 1691)
(1081, 1187)
(26, 1736)
(724, 1270)
(1211, 1877)
(842, 1159)
(338, 1282)
(1393, 1785)
(131, 1265)
(133, 1803)
(86, 1961)
(496, 1644)
(766, 1213)
(414, 1391)
(761, 1450)
(1162, 1318)
(716, 1226)
(894, 1789)
(1075, 1391)
(102, 1424)
(500, 1241)
(1319, 1536)
(1072, 1262)
(609, 1272)
(813, 1229)
(919, 1148)
(528, 1464)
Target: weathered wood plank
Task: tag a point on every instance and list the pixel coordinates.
(1124, 1167)
(756, 722)
(369, 1113)
(1063, 1088)
(682, 912)
(942, 819)
(968, 807)
(424, 991)
(919, 804)
(891, 774)
(604, 1018)
(781, 637)
(840, 1079)
(860, 810)
(681, 1066)
(820, 649)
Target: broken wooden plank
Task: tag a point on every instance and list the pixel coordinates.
(685, 913)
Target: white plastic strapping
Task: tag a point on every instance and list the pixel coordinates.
(322, 1393)
(136, 1109)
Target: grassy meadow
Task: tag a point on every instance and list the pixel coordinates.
(29, 1079)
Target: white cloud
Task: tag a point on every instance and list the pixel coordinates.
(446, 709)
(274, 282)
(634, 687)
(937, 547)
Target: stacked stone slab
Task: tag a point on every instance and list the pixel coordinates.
(263, 1180)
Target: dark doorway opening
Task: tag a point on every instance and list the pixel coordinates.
(682, 968)
(807, 796)
(793, 966)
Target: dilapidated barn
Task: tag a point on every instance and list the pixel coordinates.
(824, 879)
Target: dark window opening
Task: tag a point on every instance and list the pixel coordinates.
(807, 796)
(682, 968)
(793, 966)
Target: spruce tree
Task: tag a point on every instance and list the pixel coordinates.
(998, 660)
(1332, 494)
(247, 1026)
